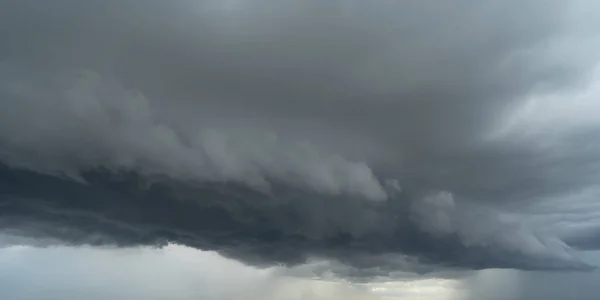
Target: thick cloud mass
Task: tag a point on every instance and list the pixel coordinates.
(386, 136)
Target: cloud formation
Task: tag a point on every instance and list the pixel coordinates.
(385, 136)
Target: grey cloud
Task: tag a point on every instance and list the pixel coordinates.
(374, 238)
(275, 131)
(92, 123)
(323, 62)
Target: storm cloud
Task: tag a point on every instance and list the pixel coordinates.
(411, 136)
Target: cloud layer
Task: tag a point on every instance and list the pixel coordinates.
(388, 137)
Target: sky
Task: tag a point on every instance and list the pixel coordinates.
(299, 149)
(176, 272)
(179, 272)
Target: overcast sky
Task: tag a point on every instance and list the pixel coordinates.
(178, 272)
(393, 149)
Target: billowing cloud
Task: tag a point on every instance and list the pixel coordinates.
(387, 137)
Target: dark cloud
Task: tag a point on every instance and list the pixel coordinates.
(289, 227)
(376, 134)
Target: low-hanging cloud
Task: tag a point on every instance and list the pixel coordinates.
(384, 136)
